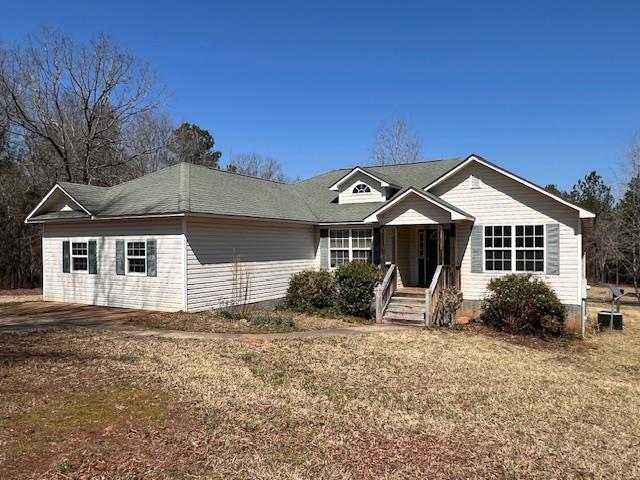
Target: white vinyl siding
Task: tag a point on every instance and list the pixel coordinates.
(269, 252)
(163, 292)
(346, 194)
(415, 210)
(500, 200)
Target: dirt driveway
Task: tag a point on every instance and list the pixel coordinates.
(32, 316)
(37, 315)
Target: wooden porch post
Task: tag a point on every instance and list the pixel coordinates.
(440, 245)
(453, 234)
(395, 245)
(382, 248)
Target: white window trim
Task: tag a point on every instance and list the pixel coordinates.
(350, 247)
(72, 256)
(353, 188)
(514, 249)
(127, 257)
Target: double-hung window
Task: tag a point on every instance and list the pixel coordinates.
(79, 256)
(350, 245)
(497, 245)
(518, 248)
(136, 257)
(530, 248)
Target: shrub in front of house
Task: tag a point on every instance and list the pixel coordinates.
(311, 291)
(523, 304)
(356, 282)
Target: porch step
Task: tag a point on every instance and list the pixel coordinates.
(405, 307)
(404, 319)
(407, 301)
(401, 293)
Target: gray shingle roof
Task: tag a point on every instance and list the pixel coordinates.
(187, 188)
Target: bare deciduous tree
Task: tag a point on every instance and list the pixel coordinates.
(79, 101)
(151, 135)
(396, 142)
(628, 216)
(256, 165)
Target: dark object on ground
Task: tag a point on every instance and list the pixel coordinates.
(610, 320)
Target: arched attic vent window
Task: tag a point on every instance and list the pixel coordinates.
(361, 188)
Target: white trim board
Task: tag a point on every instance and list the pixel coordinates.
(475, 158)
(46, 197)
(373, 218)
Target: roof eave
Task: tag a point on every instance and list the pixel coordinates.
(477, 158)
(455, 215)
(336, 186)
(57, 186)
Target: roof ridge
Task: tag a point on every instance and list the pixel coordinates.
(184, 187)
(238, 174)
(62, 183)
(413, 163)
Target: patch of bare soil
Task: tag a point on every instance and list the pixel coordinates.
(71, 413)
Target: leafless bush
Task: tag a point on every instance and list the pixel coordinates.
(447, 306)
(237, 304)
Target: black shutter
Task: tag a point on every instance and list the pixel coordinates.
(119, 257)
(151, 258)
(93, 263)
(66, 257)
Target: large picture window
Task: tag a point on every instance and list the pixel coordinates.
(517, 248)
(79, 256)
(350, 245)
(136, 257)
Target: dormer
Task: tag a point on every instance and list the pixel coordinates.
(362, 185)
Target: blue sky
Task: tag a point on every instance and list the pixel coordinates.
(547, 89)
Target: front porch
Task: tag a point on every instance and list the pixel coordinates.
(419, 261)
(419, 253)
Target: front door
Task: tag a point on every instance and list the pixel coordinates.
(427, 255)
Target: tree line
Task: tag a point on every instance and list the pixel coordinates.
(89, 114)
(93, 114)
(612, 242)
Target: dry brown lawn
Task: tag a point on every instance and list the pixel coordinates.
(416, 404)
(215, 323)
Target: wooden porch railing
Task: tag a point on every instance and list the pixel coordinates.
(385, 290)
(444, 277)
